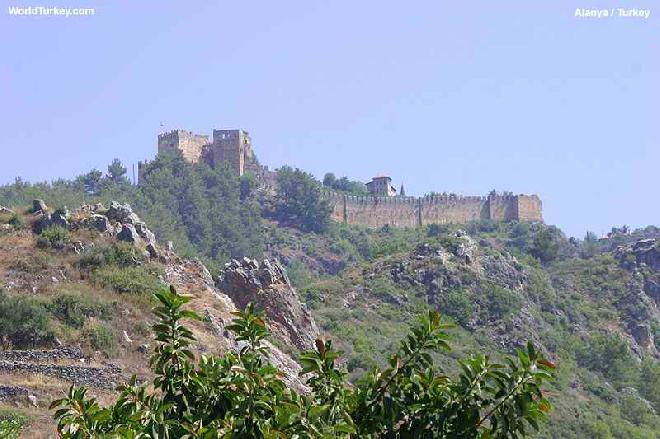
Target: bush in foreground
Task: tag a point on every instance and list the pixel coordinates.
(241, 395)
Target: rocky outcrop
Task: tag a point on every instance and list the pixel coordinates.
(267, 286)
(643, 253)
(192, 277)
(118, 221)
(129, 234)
(97, 222)
(4, 209)
(121, 213)
(47, 220)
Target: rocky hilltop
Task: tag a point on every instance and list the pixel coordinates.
(62, 263)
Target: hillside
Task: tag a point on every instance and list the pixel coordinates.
(75, 306)
(596, 316)
(590, 305)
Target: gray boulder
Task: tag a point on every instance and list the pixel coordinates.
(643, 336)
(39, 206)
(129, 234)
(144, 232)
(122, 213)
(266, 284)
(97, 222)
(51, 220)
(153, 251)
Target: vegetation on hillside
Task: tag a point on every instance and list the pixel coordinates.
(241, 395)
(365, 287)
(197, 207)
(345, 185)
(299, 201)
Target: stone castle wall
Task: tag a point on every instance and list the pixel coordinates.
(375, 212)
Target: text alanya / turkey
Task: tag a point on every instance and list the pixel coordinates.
(618, 12)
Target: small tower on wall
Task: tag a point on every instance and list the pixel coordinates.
(402, 192)
(381, 186)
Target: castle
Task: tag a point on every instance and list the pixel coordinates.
(233, 147)
(382, 207)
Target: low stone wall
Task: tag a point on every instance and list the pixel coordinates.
(92, 376)
(11, 393)
(65, 353)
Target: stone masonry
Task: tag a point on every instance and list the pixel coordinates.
(377, 212)
(233, 147)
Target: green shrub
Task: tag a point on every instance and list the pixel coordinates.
(11, 423)
(636, 409)
(407, 398)
(75, 309)
(298, 274)
(545, 246)
(120, 254)
(299, 200)
(23, 321)
(649, 382)
(503, 301)
(99, 336)
(17, 221)
(599, 430)
(141, 280)
(54, 236)
(458, 305)
(608, 353)
(311, 296)
(34, 264)
(437, 229)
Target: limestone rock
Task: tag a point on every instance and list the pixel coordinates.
(51, 220)
(152, 250)
(39, 206)
(267, 286)
(466, 248)
(652, 289)
(97, 222)
(127, 339)
(33, 400)
(643, 336)
(129, 234)
(122, 213)
(144, 232)
(645, 252)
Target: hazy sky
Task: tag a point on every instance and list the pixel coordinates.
(446, 96)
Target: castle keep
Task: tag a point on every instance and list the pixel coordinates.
(382, 207)
(233, 147)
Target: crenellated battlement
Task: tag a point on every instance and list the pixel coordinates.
(228, 146)
(377, 211)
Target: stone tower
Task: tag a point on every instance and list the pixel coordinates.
(381, 186)
(402, 192)
(233, 147)
(190, 145)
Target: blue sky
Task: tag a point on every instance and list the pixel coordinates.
(446, 96)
